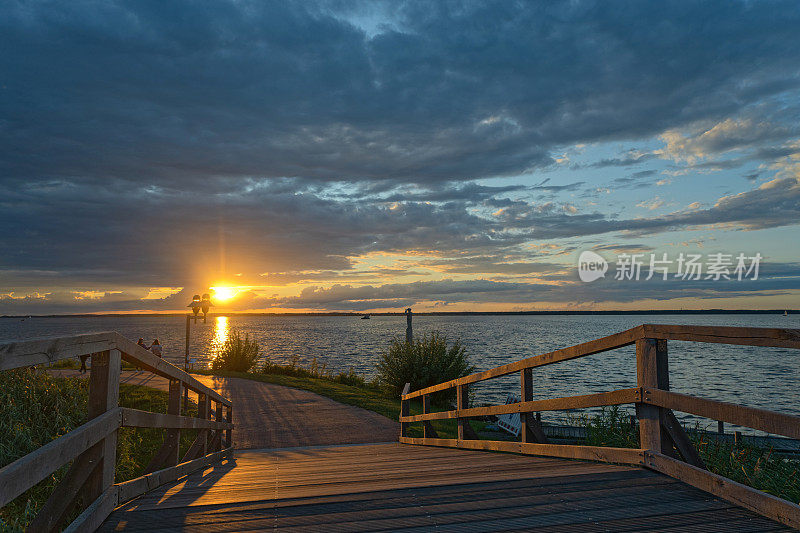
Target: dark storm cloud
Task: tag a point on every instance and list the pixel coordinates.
(158, 144)
(172, 93)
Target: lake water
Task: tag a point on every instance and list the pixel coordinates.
(759, 377)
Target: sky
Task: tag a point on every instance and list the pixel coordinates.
(371, 156)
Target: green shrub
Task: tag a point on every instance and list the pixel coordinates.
(423, 363)
(237, 354)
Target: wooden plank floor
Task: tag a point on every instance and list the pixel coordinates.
(391, 487)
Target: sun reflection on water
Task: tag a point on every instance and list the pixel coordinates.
(221, 331)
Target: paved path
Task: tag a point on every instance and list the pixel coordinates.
(273, 416)
(394, 487)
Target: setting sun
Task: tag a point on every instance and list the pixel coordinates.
(224, 293)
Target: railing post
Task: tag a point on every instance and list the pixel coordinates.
(404, 410)
(427, 428)
(218, 433)
(203, 411)
(173, 439)
(652, 370)
(93, 471)
(462, 402)
(530, 423)
(228, 432)
(104, 396)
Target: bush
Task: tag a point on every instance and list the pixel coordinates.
(423, 363)
(237, 354)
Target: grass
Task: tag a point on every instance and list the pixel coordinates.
(754, 466)
(36, 408)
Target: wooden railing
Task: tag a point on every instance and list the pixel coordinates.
(92, 446)
(664, 445)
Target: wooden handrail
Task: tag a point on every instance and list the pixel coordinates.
(767, 337)
(617, 397)
(611, 342)
(92, 446)
(760, 419)
(662, 439)
(43, 351)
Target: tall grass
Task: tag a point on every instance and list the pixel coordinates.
(751, 465)
(744, 462)
(427, 361)
(36, 408)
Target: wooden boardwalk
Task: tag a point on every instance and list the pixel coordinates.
(411, 488)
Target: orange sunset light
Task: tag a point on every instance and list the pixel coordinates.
(223, 293)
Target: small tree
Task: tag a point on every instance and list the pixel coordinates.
(237, 354)
(423, 363)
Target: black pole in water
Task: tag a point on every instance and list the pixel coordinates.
(409, 333)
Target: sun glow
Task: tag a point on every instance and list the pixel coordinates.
(224, 293)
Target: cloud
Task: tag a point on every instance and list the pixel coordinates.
(727, 135)
(651, 205)
(189, 92)
(164, 145)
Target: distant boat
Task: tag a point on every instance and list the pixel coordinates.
(365, 317)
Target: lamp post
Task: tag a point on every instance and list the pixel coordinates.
(197, 304)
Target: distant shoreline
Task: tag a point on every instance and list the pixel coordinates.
(441, 313)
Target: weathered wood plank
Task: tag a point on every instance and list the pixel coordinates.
(768, 337)
(27, 471)
(42, 351)
(765, 504)
(617, 397)
(611, 342)
(147, 419)
(761, 419)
